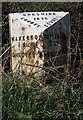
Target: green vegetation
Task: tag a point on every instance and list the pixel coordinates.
(31, 99)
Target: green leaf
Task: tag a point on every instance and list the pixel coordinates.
(21, 115)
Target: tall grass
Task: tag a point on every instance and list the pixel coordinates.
(31, 99)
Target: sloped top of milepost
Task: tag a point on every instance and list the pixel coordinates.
(39, 21)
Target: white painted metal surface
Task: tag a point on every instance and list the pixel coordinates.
(27, 37)
(34, 20)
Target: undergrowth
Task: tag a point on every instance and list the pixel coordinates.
(31, 98)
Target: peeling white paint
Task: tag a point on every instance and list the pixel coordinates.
(25, 31)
